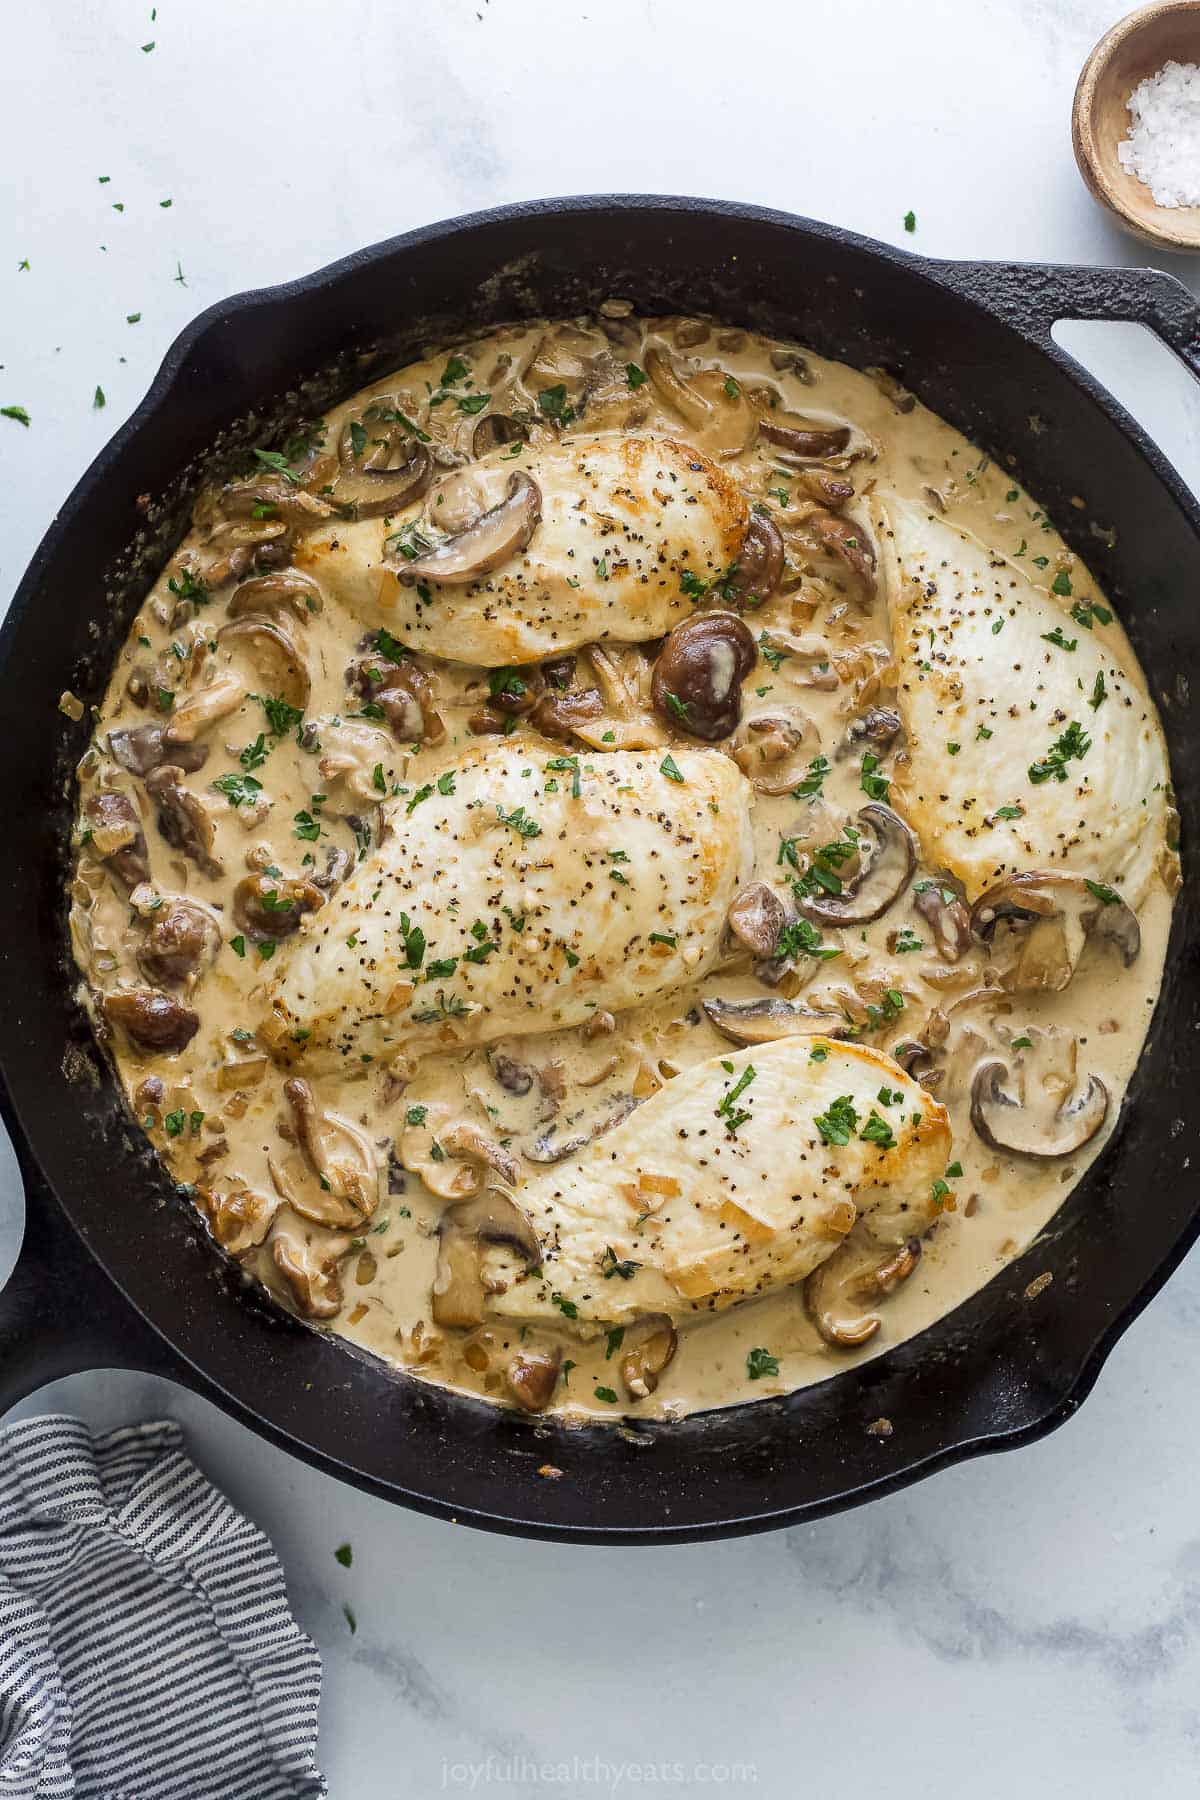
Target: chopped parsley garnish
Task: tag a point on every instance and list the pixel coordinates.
(472, 403)
(663, 937)
(189, 587)
(1056, 637)
(411, 542)
(307, 827)
(567, 1308)
(568, 765)
(771, 656)
(876, 787)
(818, 1053)
(761, 1362)
(836, 1125)
(878, 1131)
(416, 1115)
(941, 1193)
(611, 1264)
(519, 821)
(732, 388)
(379, 779)
(1009, 812)
(255, 754)
(606, 1394)
(390, 647)
(266, 949)
(506, 681)
(239, 790)
(678, 707)
(1107, 896)
(670, 769)
(1061, 584)
(553, 402)
(727, 1110)
(1099, 693)
(238, 945)
(613, 1339)
(907, 940)
(635, 376)
(801, 938)
(810, 787)
(1085, 612)
(278, 463)
(983, 733)
(692, 585)
(413, 939)
(1074, 743)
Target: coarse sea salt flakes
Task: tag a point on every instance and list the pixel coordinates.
(1163, 146)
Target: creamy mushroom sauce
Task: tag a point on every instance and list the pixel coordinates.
(295, 800)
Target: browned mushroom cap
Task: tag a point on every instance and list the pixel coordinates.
(762, 1021)
(309, 1259)
(646, 1349)
(239, 1219)
(270, 596)
(383, 465)
(497, 535)
(887, 855)
(405, 695)
(1038, 1109)
(532, 1377)
(271, 504)
(339, 1154)
(145, 746)
(118, 838)
(859, 1273)
(181, 936)
(273, 654)
(557, 714)
(697, 682)
(459, 1292)
(152, 1020)
(495, 429)
(759, 566)
(833, 491)
(844, 538)
(773, 749)
(757, 917)
(182, 818)
(1055, 913)
(270, 907)
(947, 914)
(806, 440)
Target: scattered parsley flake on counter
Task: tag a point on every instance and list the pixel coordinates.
(634, 376)
(238, 946)
(133, 318)
(179, 276)
(23, 264)
(910, 221)
(15, 412)
(759, 1363)
(165, 203)
(344, 1555)
(147, 48)
(352, 1622)
(671, 770)
(841, 1119)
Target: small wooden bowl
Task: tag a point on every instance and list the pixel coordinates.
(1137, 47)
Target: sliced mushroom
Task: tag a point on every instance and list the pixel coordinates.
(143, 748)
(822, 485)
(675, 392)
(471, 1144)
(497, 535)
(879, 727)
(341, 1157)
(773, 749)
(532, 1377)
(495, 429)
(203, 709)
(118, 838)
(757, 917)
(887, 855)
(309, 1259)
(697, 681)
(240, 1219)
(272, 506)
(514, 1077)
(459, 1287)
(270, 596)
(557, 715)
(847, 539)
(549, 1149)
(183, 819)
(383, 466)
(859, 1273)
(947, 914)
(405, 695)
(758, 569)
(1038, 1108)
(270, 907)
(763, 1021)
(281, 667)
(647, 1348)
(915, 1058)
(182, 936)
(806, 440)
(1055, 914)
(152, 1020)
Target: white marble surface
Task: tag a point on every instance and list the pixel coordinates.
(1030, 1623)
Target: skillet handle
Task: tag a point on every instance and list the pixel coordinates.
(1032, 297)
(60, 1313)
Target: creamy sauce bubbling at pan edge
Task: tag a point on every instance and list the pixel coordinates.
(627, 868)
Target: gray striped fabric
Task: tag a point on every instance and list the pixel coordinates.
(146, 1647)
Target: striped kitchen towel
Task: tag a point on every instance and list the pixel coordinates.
(146, 1647)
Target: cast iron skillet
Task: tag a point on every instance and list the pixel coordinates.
(116, 1269)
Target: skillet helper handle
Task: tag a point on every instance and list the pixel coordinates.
(59, 1312)
(1032, 297)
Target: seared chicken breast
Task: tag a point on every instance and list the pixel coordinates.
(1031, 744)
(526, 554)
(742, 1175)
(520, 892)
